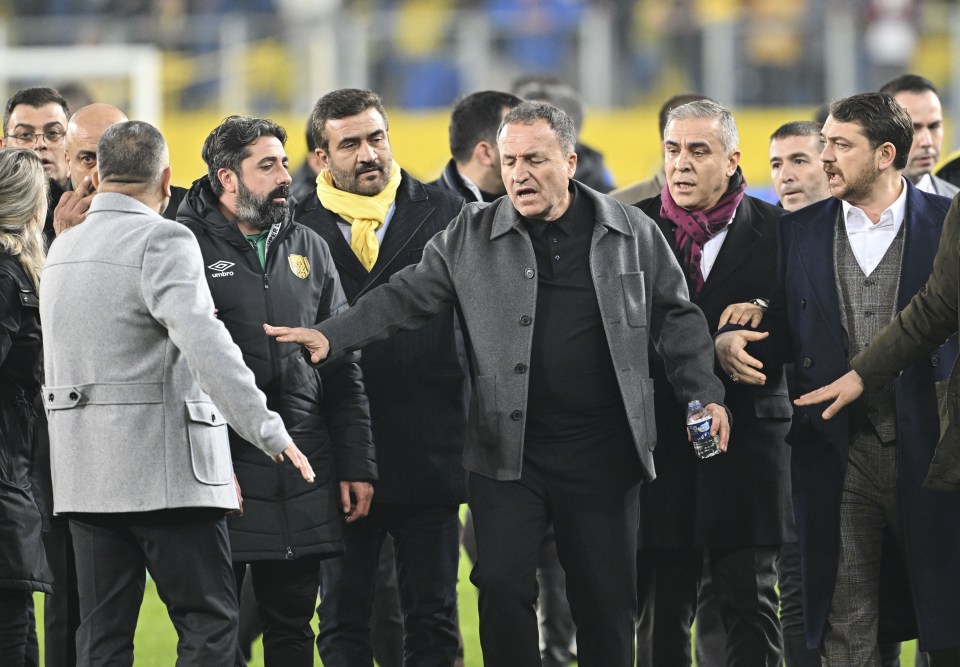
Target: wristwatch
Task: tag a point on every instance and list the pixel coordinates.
(761, 303)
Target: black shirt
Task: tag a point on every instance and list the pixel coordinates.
(573, 390)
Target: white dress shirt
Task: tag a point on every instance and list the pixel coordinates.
(870, 241)
(710, 250)
(925, 184)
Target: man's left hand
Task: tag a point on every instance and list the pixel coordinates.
(355, 497)
(721, 424)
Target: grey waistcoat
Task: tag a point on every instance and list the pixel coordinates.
(867, 303)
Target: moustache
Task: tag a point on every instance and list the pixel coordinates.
(282, 191)
(367, 166)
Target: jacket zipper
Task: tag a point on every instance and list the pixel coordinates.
(281, 487)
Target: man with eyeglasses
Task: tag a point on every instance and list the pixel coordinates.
(36, 118)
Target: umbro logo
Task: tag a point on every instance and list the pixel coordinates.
(220, 269)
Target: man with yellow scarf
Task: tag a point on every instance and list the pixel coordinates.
(376, 219)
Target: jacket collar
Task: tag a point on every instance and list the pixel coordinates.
(413, 207)
(114, 201)
(609, 212)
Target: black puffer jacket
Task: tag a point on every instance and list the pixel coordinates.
(23, 564)
(326, 413)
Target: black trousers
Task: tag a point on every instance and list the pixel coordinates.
(591, 495)
(426, 541)
(61, 611)
(188, 554)
(744, 583)
(286, 594)
(16, 620)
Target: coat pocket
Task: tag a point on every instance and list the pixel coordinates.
(772, 406)
(209, 443)
(634, 298)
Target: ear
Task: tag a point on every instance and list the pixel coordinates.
(314, 161)
(95, 179)
(886, 155)
(228, 179)
(733, 161)
(571, 164)
(323, 158)
(165, 181)
(484, 154)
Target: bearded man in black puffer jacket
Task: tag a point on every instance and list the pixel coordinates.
(262, 267)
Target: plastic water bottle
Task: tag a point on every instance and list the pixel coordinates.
(699, 422)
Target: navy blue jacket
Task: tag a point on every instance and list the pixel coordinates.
(805, 320)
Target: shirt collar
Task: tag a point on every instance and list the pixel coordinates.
(925, 184)
(561, 224)
(470, 185)
(892, 217)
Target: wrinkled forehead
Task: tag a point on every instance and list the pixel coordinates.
(522, 138)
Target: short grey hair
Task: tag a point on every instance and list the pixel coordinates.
(132, 153)
(727, 127)
(528, 113)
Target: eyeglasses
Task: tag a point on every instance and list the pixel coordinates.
(50, 137)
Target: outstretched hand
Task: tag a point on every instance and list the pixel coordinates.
(315, 342)
(298, 460)
(842, 391)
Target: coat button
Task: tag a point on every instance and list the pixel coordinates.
(803, 303)
(213, 417)
(525, 320)
(74, 395)
(50, 397)
(935, 361)
(519, 369)
(516, 415)
(528, 273)
(807, 362)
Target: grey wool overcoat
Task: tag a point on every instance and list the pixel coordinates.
(141, 378)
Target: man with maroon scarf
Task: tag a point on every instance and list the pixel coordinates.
(729, 508)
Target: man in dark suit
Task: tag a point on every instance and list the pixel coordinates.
(881, 554)
(730, 508)
(376, 219)
(473, 171)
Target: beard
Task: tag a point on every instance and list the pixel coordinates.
(858, 185)
(348, 180)
(262, 212)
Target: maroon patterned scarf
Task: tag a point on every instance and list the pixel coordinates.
(695, 228)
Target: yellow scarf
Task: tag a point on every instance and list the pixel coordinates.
(365, 214)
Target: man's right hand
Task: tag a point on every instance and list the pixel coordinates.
(315, 342)
(72, 208)
(733, 357)
(298, 460)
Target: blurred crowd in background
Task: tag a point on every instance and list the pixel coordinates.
(426, 53)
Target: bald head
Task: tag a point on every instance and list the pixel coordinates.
(83, 132)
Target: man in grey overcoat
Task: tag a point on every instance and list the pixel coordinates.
(560, 288)
(141, 381)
